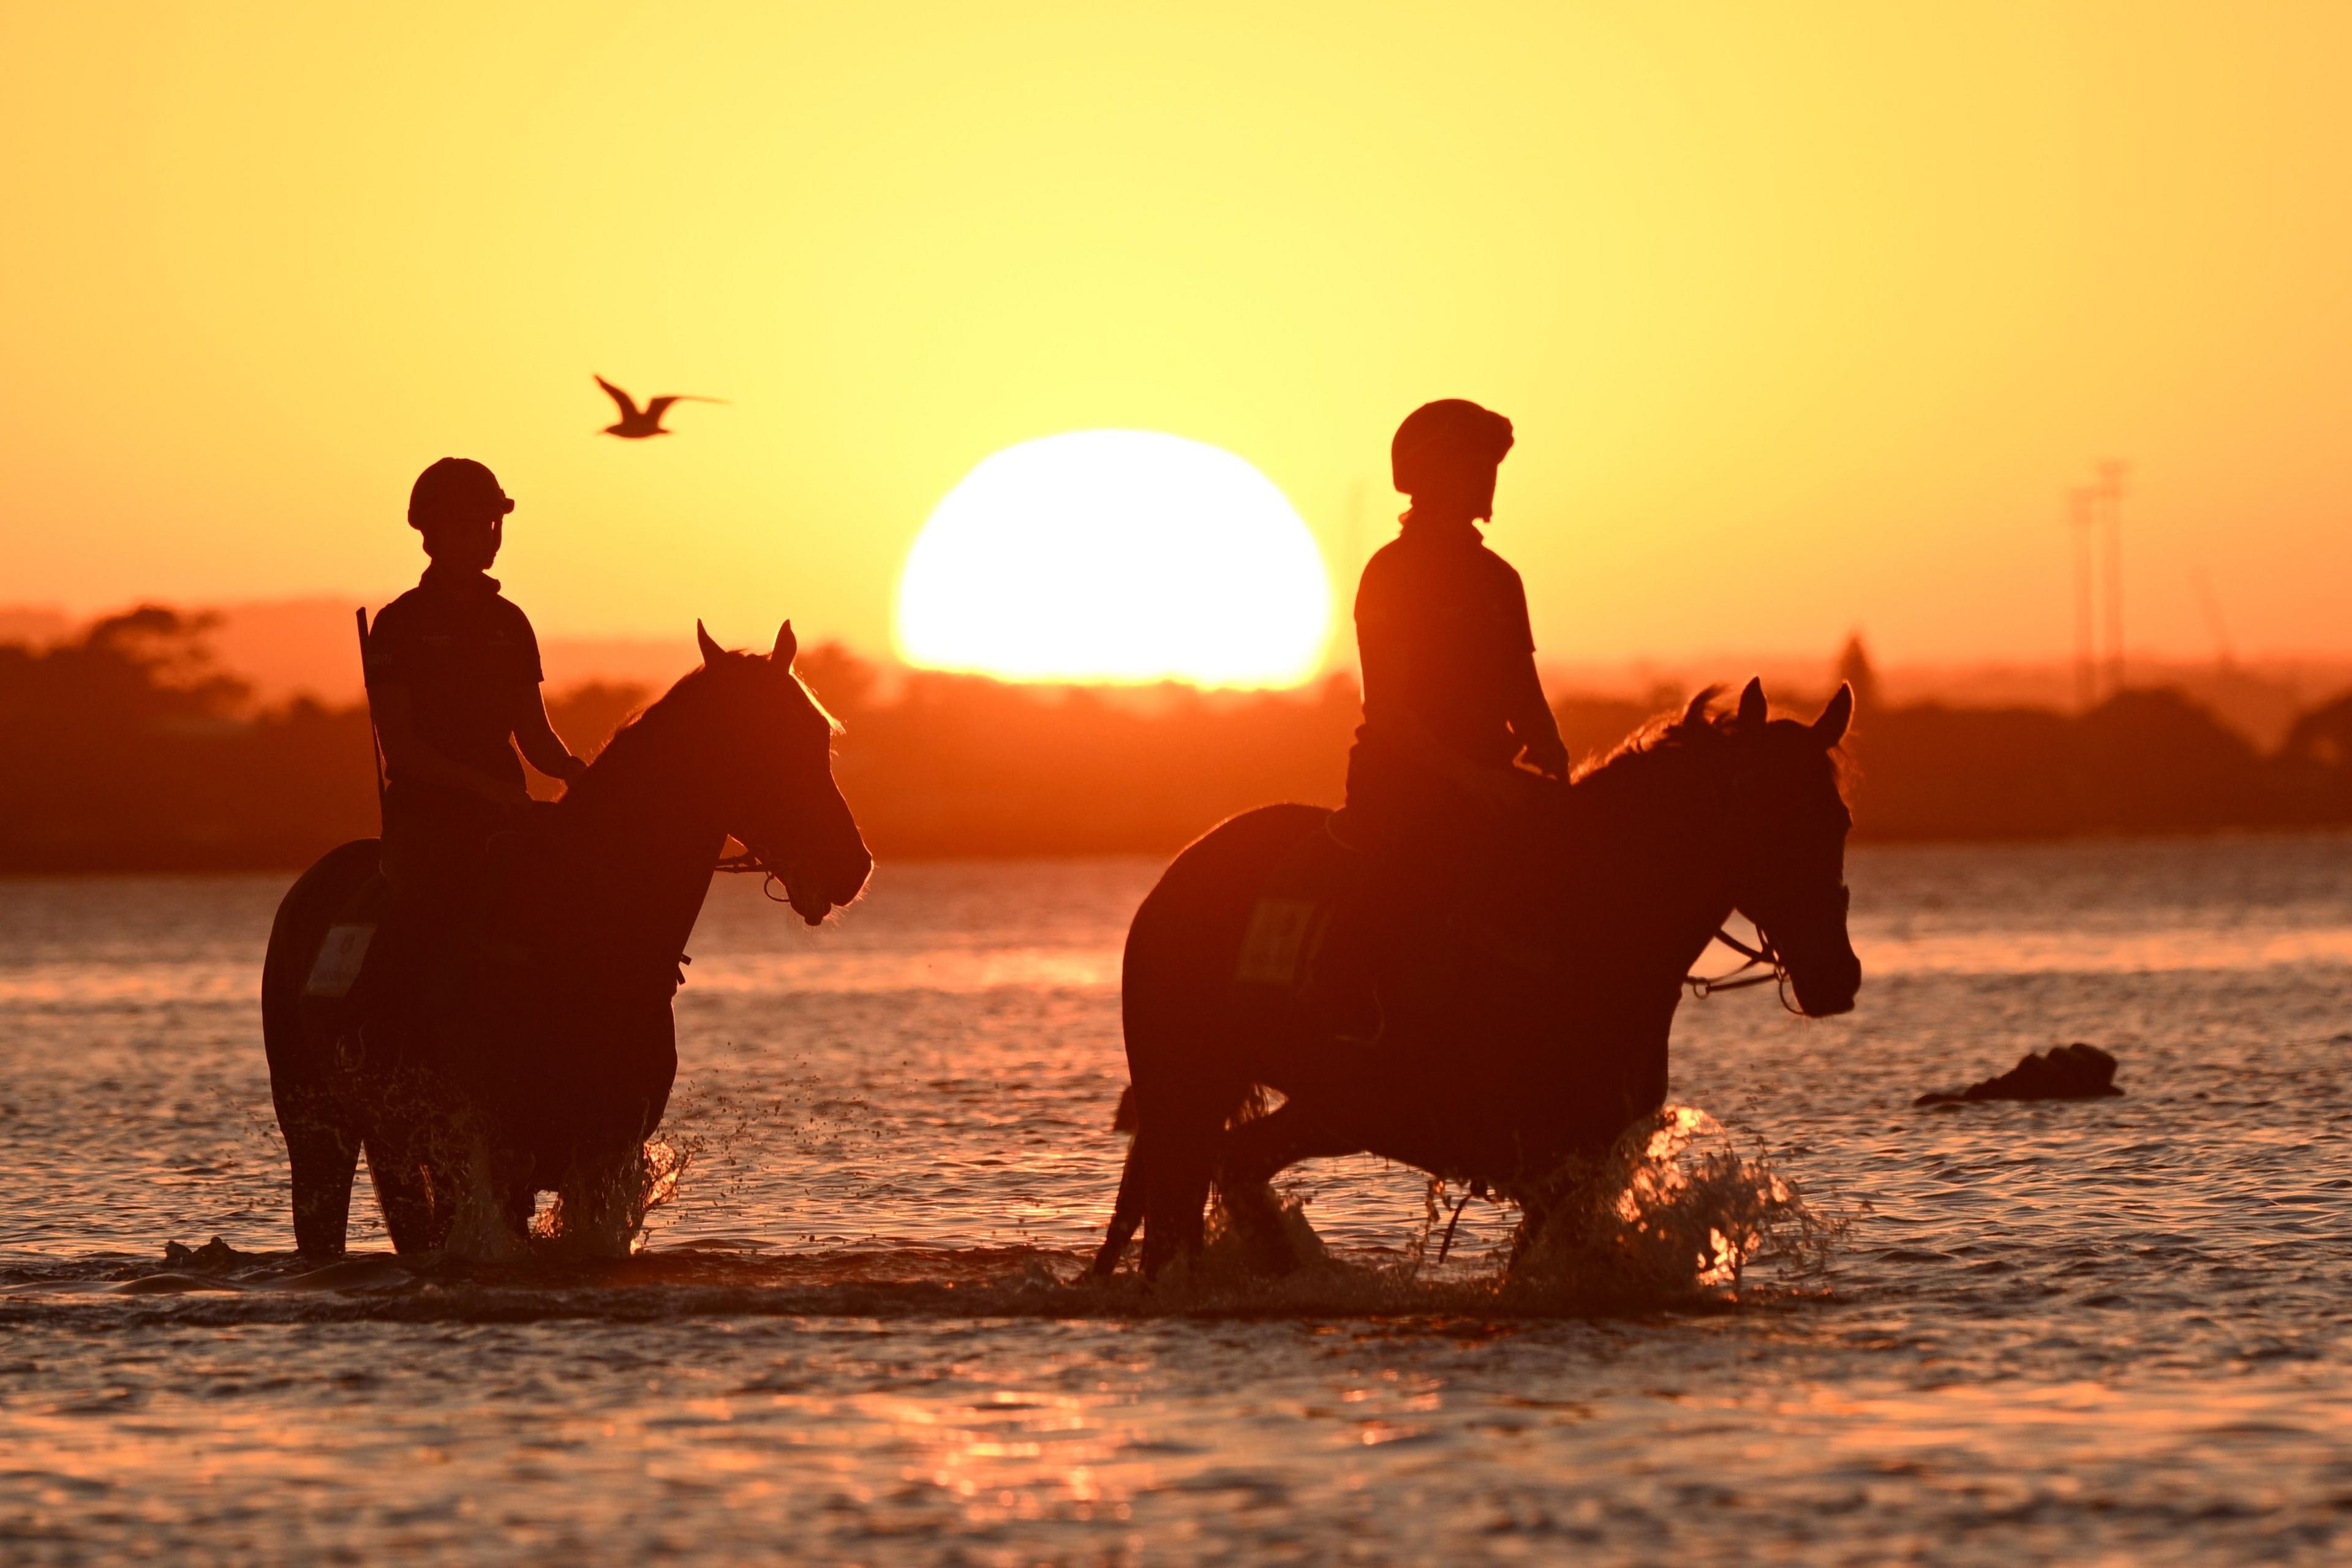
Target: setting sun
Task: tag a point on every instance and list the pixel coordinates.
(1122, 555)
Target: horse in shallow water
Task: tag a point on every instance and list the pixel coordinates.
(559, 1064)
(1550, 1036)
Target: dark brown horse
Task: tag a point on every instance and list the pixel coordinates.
(1547, 1037)
(560, 1065)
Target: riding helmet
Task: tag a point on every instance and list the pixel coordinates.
(1443, 437)
(454, 481)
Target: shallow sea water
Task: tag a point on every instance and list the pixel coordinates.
(2113, 1330)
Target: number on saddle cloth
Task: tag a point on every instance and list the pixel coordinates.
(1292, 916)
(343, 954)
(1305, 956)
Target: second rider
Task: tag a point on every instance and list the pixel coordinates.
(1452, 701)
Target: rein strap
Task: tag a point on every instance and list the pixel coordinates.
(1705, 985)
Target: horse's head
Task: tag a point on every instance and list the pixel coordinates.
(1788, 872)
(774, 781)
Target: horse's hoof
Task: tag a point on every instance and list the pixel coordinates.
(1275, 1261)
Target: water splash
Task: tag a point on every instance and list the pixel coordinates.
(1680, 1209)
(610, 1221)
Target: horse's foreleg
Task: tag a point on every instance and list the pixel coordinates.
(482, 1223)
(602, 1203)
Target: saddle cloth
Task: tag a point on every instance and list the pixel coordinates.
(1317, 953)
(1297, 906)
(502, 929)
(343, 951)
(1335, 948)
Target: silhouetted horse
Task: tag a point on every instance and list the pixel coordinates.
(1544, 1034)
(560, 1065)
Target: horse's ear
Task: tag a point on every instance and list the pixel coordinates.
(1695, 712)
(1751, 703)
(1830, 728)
(711, 651)
(787, 646)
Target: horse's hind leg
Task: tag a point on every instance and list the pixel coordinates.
(403, 1193)
(1180, 1152)
(324, 1158)
(1255, 1154)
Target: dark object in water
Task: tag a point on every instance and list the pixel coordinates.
(213, 1255)
(2063, 1072)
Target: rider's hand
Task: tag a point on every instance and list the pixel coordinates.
(1548, 755)
(572, 771)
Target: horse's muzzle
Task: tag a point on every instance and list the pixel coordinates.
(1826, 989)
(815, 893)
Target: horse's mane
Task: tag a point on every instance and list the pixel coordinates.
(644, 728)
(1668, 733)
(640, 729)
(1673, 736)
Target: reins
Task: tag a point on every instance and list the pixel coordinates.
(1762, 954)
(748, 863)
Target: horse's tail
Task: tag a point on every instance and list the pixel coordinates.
(1126, 1118)
(1127, 1212)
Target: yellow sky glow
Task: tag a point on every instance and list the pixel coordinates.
(1805, 317)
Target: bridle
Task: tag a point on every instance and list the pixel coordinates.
(1763, 953)
(748, 863)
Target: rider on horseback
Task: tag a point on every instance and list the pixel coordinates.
(1452, 705)
(1452, 701)
(452, 675)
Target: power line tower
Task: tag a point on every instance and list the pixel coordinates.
(2079, 505)
(2112, 475)
(2097, 509)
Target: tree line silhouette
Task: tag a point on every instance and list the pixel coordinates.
(129, 749)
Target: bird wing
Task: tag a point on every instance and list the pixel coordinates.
(657, 404)
(628, 409)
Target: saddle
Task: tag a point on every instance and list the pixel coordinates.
(504, 923)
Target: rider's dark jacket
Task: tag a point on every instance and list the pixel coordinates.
(462, 651)
(1442, 636)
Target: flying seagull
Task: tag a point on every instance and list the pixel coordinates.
(637, 423)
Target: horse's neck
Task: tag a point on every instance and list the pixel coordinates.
(641, 849)
(1646, 869)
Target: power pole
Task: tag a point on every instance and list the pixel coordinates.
(2112, 473)
(2079, 503)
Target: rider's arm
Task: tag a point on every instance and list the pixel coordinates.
(1532, 724)
(542, 748)
(408, 755)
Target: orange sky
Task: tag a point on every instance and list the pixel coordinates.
(1804, 323)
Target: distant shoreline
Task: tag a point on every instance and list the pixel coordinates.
(131, 751)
